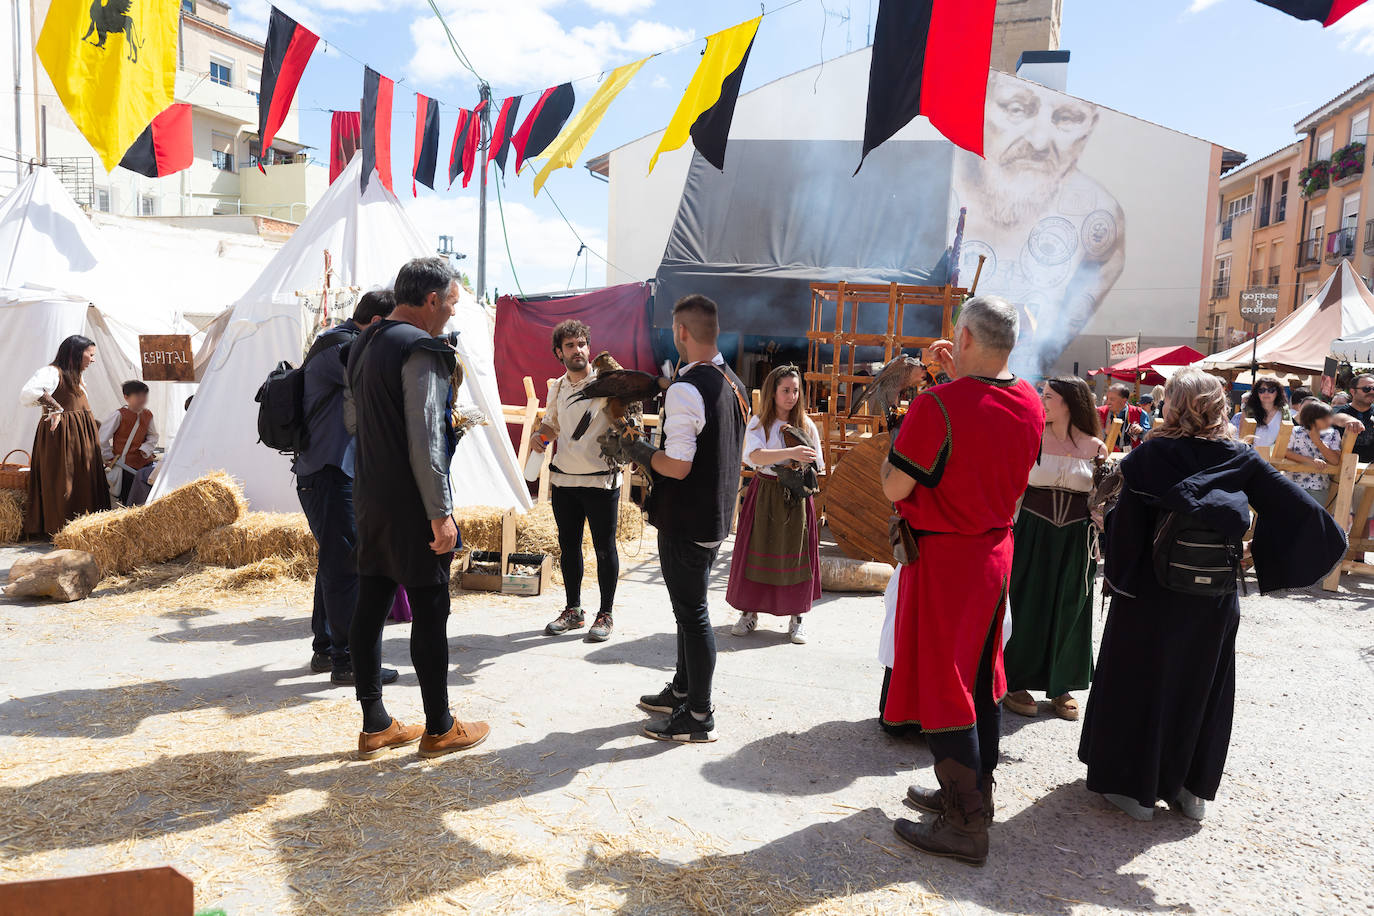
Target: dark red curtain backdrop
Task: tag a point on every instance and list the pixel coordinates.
(617, 315)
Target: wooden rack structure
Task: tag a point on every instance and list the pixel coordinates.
(830, 383)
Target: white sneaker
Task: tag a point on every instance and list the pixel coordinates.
(797, 630)
(747, 623)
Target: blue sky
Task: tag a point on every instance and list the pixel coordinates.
(1232, 71)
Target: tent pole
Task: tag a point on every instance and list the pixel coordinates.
(484, 141)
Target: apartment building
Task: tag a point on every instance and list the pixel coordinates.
(1333, 193)
(1256, 241)
(218, 74)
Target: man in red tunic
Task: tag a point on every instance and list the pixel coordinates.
(957, 467)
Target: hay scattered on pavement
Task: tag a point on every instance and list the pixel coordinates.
(281, 539)
(123, 540)
(12, 506)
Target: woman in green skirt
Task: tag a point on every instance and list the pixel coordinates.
(1053, 571)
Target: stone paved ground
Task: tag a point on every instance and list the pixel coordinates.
(192, 734)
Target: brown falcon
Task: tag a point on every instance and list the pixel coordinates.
(886, 390)
(798, 480)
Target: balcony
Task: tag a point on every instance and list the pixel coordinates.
(1226, 229)
(1310, 254)
(1280, 209)
(1347, 164)
(1340, 244)
(1369, 237)
(1221, 287)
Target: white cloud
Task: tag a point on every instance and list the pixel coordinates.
(660, 82)
(519, 45)
(1198, 6)
(620, 7)
(1356, 30)
(542, 245)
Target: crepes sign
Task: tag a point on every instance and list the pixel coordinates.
(1259, 304)
(167, 358)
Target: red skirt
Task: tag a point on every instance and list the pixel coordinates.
(948, 603)
(776, 564)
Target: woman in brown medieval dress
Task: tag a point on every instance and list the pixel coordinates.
(67, 476)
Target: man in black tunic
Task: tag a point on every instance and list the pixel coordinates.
(401, 407)
(696, 486)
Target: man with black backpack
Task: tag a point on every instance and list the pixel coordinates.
(324, 483)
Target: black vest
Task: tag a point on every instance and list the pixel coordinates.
(701, 506)
(393, 527)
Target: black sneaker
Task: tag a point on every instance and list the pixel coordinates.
(344, 677)
(572, 618)
(683, 726)
(663, 701)
(321, 662)
(601, 629)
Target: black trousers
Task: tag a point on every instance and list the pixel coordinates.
(977, 748)
(327, 501)
(428, 644)
(600, 510)
(687, 573)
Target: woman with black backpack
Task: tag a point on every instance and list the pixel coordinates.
(1158, 721)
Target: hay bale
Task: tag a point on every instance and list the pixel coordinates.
(270, 569)
(125, 539)
(13, 504)
(480, 526)
(282, 536)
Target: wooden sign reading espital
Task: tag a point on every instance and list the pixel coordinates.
(167, 358)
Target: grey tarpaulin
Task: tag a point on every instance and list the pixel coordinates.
(786, 213)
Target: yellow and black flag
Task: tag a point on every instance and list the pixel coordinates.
(708, 106)
(114, 66)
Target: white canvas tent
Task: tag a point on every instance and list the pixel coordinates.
(369, 237)
(58, 278)
(1301, 342)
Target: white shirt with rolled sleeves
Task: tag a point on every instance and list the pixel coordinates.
(684, 417)
(110, 425)
(755, 439)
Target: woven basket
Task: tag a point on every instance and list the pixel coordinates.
(14, 476)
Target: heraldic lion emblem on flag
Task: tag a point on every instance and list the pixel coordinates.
(113, 17)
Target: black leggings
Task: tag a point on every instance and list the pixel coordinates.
(978, 747)
(428, 650)
(600, 509)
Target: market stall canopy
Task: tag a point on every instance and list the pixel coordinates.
(787, 213)
(1357, 348)
(369, 237)
(1300, 343)
(1148, 366)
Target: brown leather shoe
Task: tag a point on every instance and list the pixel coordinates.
(460, 737)
(961, 830)
(395, 735)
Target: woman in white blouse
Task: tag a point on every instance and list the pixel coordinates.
(1267, 405)
(66, 473)
(775, 566)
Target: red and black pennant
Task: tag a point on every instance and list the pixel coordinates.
(164, 148)
(545, 120)
(426, 143)
(345, 136)
(930, 57)
(376, 118)
(472, 140)
(284, 57)
(460, 144)
(1324, 11)
(501, 133)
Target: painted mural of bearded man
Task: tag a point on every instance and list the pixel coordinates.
(1054, 238)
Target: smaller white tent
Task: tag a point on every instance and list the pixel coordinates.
(369, 237)
(56, 274)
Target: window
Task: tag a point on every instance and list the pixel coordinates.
(1350, 211)
(102, 199)
(1221, 286)
(147, 205)
(188, 6)
(1281, 205)
(254, 159)
(1325, 143)
(1239, 206)
(254, 85)
(1316, 225)
(1359, 126)
(224, 75)
(222, 152)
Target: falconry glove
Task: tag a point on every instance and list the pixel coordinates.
(626, 449)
